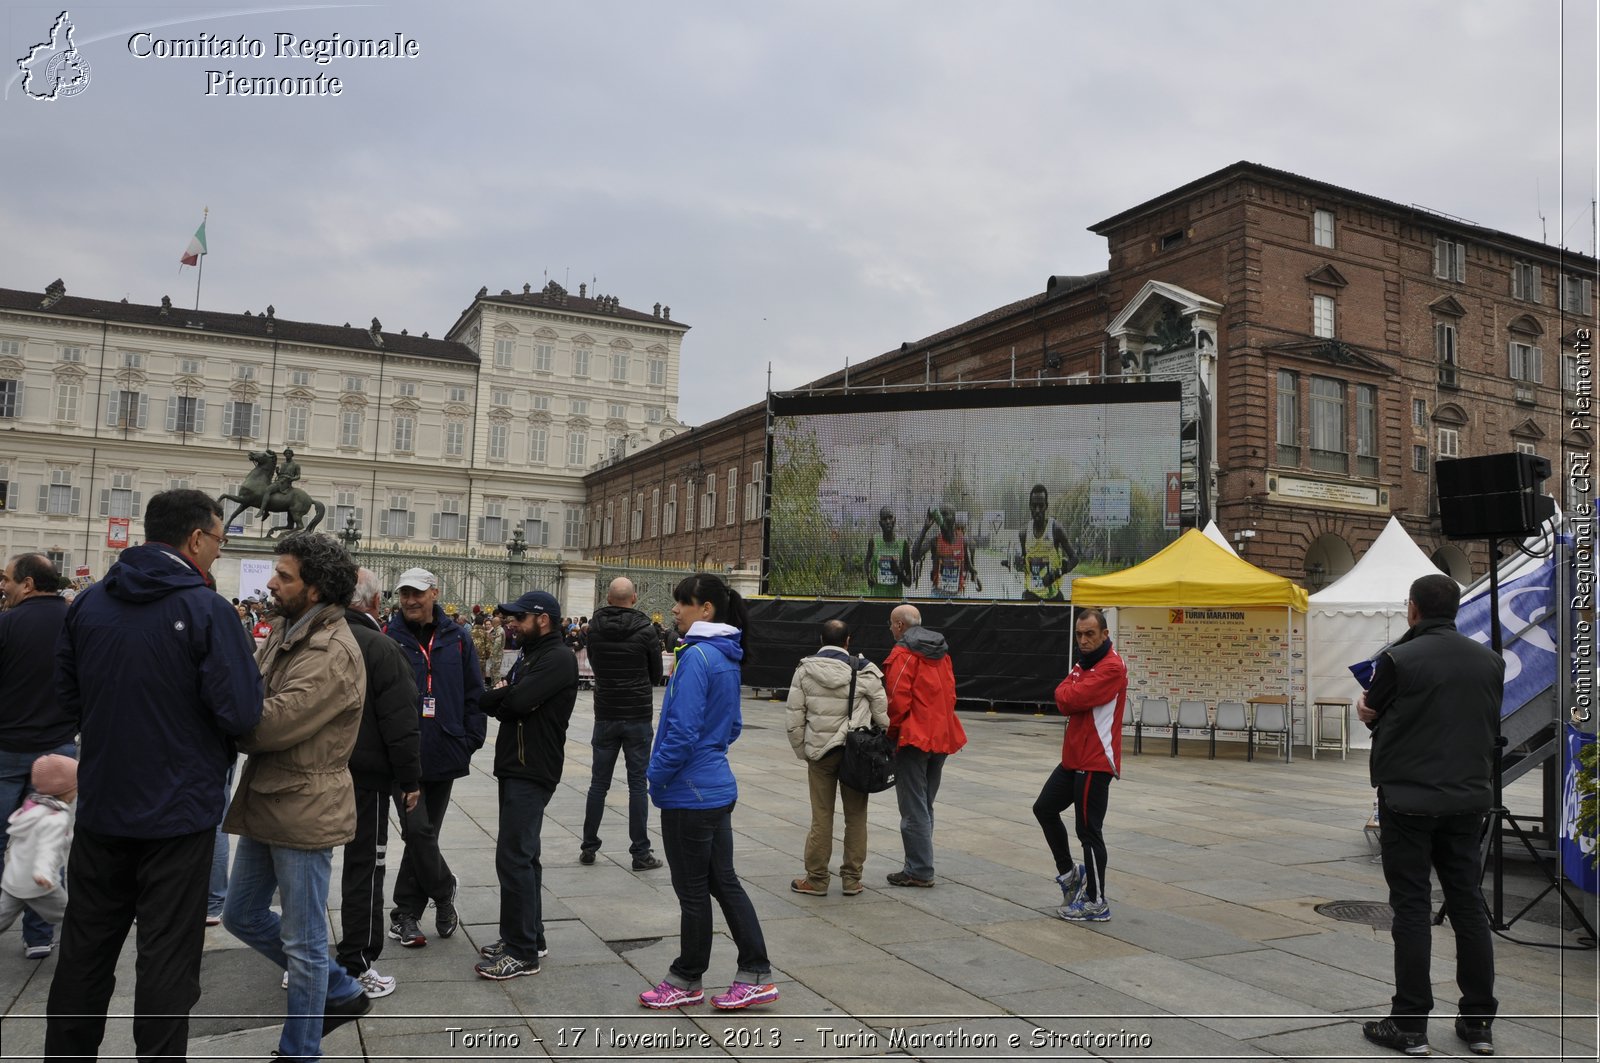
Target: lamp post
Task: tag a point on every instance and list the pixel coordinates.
(351, 535)
(515, 548)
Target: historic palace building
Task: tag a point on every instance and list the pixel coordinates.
(1331, 346)
(465, 441)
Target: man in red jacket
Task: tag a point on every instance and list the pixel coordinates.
(922, 716)
(1093, 697)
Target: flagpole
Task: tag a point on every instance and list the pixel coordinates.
(202, 272)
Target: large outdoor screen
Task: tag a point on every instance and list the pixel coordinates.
(977, 495)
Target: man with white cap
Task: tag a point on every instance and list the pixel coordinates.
(452, 727)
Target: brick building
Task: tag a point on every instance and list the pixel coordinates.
(1331, 344)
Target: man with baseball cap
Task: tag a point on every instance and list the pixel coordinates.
(533, 704)
(452, 727)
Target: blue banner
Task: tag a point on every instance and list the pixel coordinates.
(1529, 598)
(1577, 853)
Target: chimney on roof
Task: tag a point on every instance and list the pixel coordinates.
(484, 291)
(424, 335)
(583, 291)
(404, 332)
(666, 313)
(376, 332)
(271, 317)
(166, 305)
(658, 310)
(248, 314)
(527, 289)
(53, 294)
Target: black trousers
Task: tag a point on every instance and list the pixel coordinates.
(162, 881)
(361, 929)
(1412, 846)
(423, 874)
(1090, 793)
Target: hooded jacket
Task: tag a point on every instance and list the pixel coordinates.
(534, 708)
(626, 657)
(154, 666)
(40, 834)
(458, 727)
(295, 791)
(31, 717)
(921, 685)
(699, 720)
(1437, 694)
(1093, 698)
(819, 714)
(386, 746)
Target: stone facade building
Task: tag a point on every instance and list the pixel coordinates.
(459, 442)
(1331, 345)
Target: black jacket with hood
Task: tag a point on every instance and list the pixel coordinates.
(626, 657)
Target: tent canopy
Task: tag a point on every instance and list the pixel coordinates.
(1193, 571)
(1381, 579)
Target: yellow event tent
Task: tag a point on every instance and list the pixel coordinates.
(1196, 621)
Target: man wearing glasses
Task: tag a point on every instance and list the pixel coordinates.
(160, 676)
(1093, 697)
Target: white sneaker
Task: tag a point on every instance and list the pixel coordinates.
(286, 979)
(374, 984)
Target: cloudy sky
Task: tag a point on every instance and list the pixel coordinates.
(803, 183)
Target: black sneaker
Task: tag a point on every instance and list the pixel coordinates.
(445, 917)
(496, 949)
(1384, 1032)
(336, 1014)
(586, 857)
(1475, 1032)
(647, 862)
(405, 930)
(505, 967)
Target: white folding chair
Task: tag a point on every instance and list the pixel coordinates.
(1191, 716)
(1231, 716)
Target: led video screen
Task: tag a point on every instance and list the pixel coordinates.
(977, 495)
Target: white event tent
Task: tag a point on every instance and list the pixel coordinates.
(1360, 613)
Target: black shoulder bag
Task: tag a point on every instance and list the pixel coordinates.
(868, 764)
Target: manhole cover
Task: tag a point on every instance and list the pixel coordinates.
(622, 945)
(1369, 912)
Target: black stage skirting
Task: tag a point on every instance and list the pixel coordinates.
(1002, 653)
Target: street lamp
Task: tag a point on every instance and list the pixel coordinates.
(351, 535)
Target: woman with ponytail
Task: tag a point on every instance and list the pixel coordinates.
(692, 784)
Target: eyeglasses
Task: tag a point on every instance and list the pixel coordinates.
(222, 540)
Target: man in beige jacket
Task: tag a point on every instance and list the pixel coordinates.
(820, 714)
(295, 800)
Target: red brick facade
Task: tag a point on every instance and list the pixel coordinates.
(1245, 239)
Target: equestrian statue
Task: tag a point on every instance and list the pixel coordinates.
(271, 488)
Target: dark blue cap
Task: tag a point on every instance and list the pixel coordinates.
(533, 602)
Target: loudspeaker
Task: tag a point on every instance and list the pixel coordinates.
(1493, 496)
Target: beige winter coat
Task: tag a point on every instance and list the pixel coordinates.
(296, 790)
(818, 717)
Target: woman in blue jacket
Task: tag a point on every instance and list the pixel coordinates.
(693, 786)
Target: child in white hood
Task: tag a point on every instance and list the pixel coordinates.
(40, 834)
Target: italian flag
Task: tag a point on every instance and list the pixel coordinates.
(197, 247)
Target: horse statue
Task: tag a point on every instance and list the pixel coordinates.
(256, 491)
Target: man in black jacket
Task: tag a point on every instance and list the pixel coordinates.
(625, 654)
(386, 761)
(32, 721)
(533, 705)
(1433, 707)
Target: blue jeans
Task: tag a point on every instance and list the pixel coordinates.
(699, 847)
(516, 865)
(15, 776)
(916, 784)
(297, 941)
(219, 851)
(632, 738)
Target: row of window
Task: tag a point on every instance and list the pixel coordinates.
(663, 510)
(1573, 294)
(615, 366)
(1328, 423)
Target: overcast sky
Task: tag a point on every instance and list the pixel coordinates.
(803, 183)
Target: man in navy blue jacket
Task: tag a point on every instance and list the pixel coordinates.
(449, 685)
(32, 722)
(161, 677)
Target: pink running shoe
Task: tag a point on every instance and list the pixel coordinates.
(744, 995)
(666, 995)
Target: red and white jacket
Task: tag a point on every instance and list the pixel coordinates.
(1094, 700)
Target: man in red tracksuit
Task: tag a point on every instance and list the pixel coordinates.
(1093, 697)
